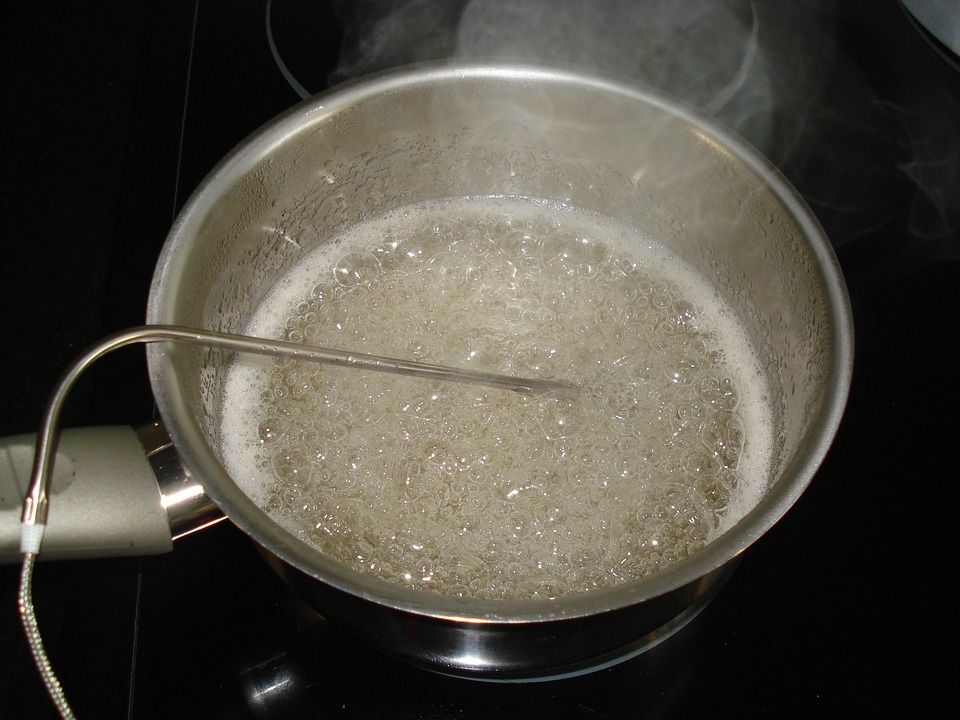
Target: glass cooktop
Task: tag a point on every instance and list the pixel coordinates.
(114, 112)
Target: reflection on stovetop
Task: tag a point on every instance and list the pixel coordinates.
(839, 608)
(268, 653)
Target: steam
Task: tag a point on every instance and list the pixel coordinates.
(933, 139)
(770, 70)
(749, 63)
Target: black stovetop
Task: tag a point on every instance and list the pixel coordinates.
(114, 112)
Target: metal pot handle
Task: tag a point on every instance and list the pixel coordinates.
(186, 505)
(118, 491)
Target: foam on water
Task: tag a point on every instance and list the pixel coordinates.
(479, 492)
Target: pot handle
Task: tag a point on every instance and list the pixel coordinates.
(114, 491)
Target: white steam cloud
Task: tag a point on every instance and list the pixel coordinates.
(772, 70)
(751, 64)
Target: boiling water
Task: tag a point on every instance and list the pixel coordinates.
(479, 492)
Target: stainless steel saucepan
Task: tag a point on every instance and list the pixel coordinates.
(454, 131)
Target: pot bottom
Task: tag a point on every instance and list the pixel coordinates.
(608, 660)
(508, 653)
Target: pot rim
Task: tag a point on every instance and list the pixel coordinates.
(202, 462)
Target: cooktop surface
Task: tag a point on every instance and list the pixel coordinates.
(114, 113)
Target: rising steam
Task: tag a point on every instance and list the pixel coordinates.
(751, 64)
(771, 70)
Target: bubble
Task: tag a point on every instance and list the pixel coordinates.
(718, 490)
(708, 389)
(727, 397)
(684, 312)
(288, 467)
(271, 429)
(419, 249)
(274, 501)
(702, 464)
(661, 300)
(722, 434)
(417, 347)
(356, 269)
(685, 368)
(321, 292)
(522, 245)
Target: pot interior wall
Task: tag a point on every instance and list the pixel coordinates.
(631, 155)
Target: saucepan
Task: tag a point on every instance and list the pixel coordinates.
(424, 134)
